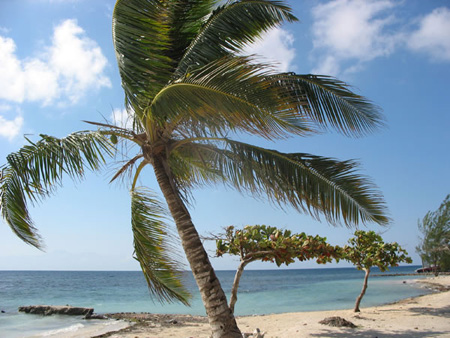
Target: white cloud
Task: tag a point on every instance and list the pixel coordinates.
(63, 72)
(353, 30)
(433, 35)
(10, 128)
(77, 60)
(40, 82)
(274, 47)
(11, 72)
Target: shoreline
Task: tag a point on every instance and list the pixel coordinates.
(425, 315)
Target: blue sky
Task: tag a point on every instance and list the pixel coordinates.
(57, 68)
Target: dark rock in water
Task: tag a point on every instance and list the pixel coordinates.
(3, 311)
(337, 321)
(95, 316)
(48, 310)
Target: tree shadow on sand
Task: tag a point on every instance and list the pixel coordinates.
(443, 312)
(440, 312)
(361, 333)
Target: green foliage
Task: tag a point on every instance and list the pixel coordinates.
(306, 182)
(154, 247)
(270, 244)
(38, 168)
(434, 247)
(188, 89)
(367, 249)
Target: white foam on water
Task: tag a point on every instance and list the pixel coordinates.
(60, 332)
(91, 328)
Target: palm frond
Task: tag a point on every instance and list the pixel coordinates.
(127, 167)
(330, 103)
(229, 28)
(141, 36)
(191, 165)
(187, 18)
(37, 169)
(154, 247)
(317, 185)
(109, 126)
(230, 93)
(14, 208)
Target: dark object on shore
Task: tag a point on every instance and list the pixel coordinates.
(256, 334)
(337, 321)
(48, 310)
(429, 269)
(96, 316)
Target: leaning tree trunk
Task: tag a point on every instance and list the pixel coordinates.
(363, 291)
(221, 319)
(234, 288)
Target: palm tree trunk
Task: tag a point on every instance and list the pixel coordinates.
(221, 319)
(234, 288)
(363, 291)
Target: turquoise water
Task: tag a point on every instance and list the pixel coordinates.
(260, 292)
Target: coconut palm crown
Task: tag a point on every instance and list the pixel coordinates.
(187, 89)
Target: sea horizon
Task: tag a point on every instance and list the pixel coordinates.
(246, 269)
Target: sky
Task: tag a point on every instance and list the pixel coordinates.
(58, 68)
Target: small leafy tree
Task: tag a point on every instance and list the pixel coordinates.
(434, 248)
(270, 244)
(367, 249)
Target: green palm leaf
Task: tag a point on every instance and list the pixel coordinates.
(187, 18)
(315, 184)
(154, 247)
(192, 166)
(38, 168)
(230, 27)
(230, 93)
(14, 209)
(329, 102)
(141, 35)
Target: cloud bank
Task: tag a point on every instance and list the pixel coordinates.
(433, 35)
(351, 30)
(62, 73)
(349, 33)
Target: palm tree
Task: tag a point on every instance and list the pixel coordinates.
(188, 89)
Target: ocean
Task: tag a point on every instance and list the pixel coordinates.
(260, 292)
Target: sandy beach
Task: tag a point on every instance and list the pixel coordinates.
(424, 316)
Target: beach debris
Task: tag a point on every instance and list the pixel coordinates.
(337, 321)
(96, 316)
(364, 318)
(256, 334)
(48, 310)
